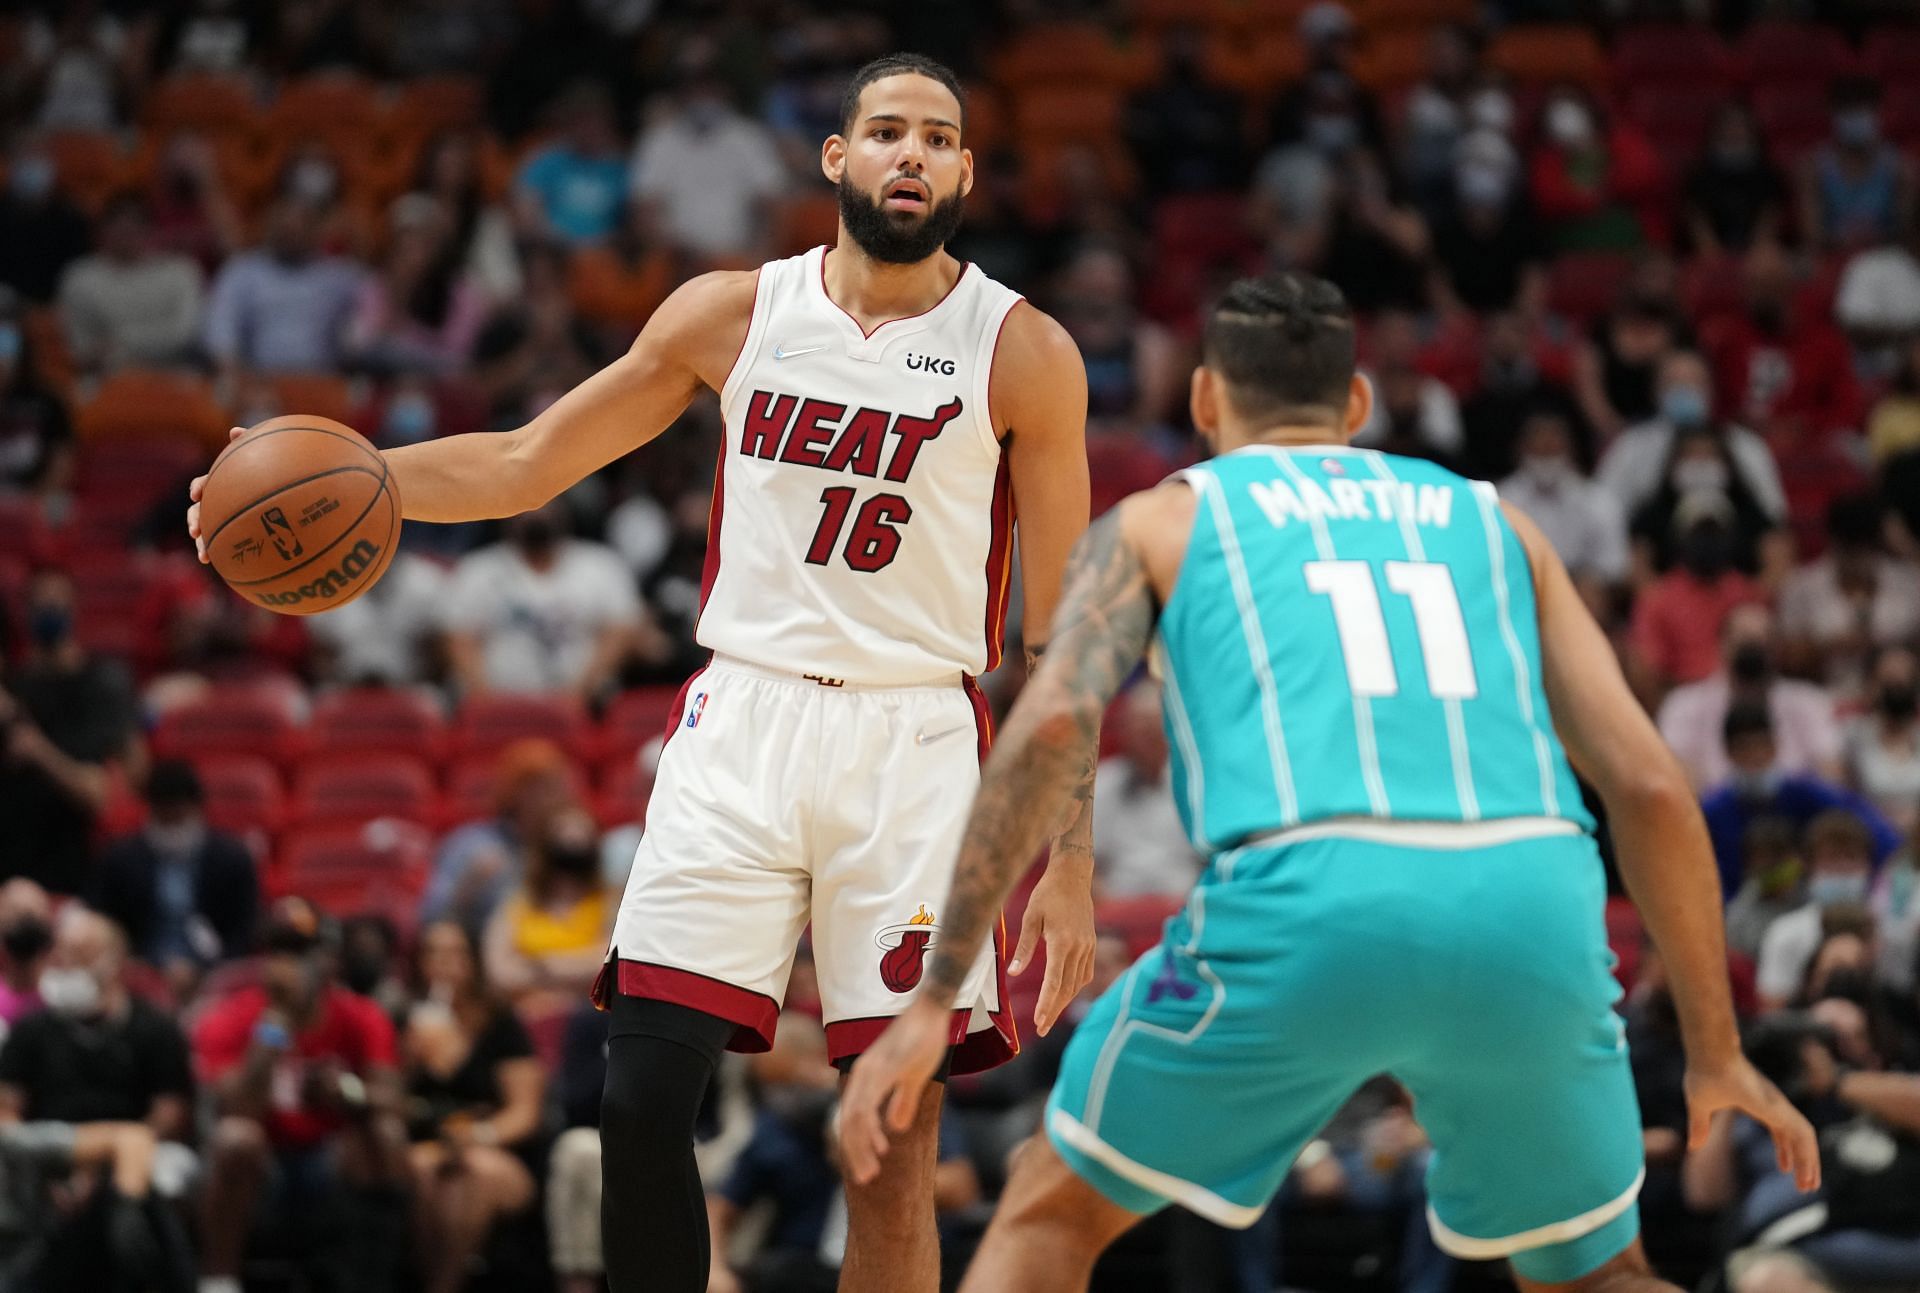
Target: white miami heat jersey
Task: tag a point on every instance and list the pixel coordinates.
(862, 518)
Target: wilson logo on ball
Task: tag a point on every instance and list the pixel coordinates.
(331, 584)
(906, 950)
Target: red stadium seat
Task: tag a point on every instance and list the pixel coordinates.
(1669, 54)
(1779, 53)
(243, 793)
(634, 718)
(1900, 114)
(1582, 285)
(486, 723)
(1891, 55)
(1792, 114)
(1712, 288)
(347, 789)
(1676, 115)
(624, 789)
(380, 868)
(230, 720)
(1208, 227)
(151, 465)
(391, 719)
(1137, 920)
(470, 787)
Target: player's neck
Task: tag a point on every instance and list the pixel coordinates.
(874, 292)
(1286, 437)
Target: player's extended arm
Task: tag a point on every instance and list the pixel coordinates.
(690, 341)
(1663, 850)
(1039, 396)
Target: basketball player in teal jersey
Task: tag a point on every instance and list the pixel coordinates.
(1379, 681)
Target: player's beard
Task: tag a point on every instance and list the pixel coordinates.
(898, 239)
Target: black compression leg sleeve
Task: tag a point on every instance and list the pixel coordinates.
(653, 1212)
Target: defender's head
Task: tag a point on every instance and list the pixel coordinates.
(898, 163)
(1277, 355)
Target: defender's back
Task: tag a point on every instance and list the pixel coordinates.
(1353, 635)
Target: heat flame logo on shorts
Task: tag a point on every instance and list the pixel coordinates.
(906, 950)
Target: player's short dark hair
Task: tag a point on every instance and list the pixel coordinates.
(900, 64)
(1284, 345)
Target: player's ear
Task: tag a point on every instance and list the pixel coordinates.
(966, 171)
(1203, 402)
(1359, 404)
(833, 157)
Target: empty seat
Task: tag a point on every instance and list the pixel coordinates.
(1892, 55)
(803, 221)
(377, 718)
(1776, 53)
(636, 717)
(625, 787)
(136, 403)
(207, 102)
(1137, 920)
(324, 395)
(1666, 54)
(243, 793)
(332, 105)
(1582, 285)
(1081, 113)
(1793, 115)
(363, 786)
(1073, 53)
(1549, 53)
(231, 719)
(380, 868)
(486, 723)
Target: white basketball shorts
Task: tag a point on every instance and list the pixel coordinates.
(782, 799)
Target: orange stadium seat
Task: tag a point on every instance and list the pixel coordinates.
(1378, 16)
(1776, 53)
(321, 394)
(803, 221)
(634, 718)
(333, 105)
(377, 719)
(139, 403)
(1255, 65)
(986, 117)
(1549, 53)
(1668, 54)
(91, 165)
(47, 349)
(428, 105)
(1073, 53)
(365, 785)
(486, 723)
(1087, 113)
(235, 719)
(152, 465)
(243, 793)
(1392, 59)
(208, 102)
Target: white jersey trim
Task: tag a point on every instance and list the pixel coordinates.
(988, 347)
(1466, 1247)
(1427, 835)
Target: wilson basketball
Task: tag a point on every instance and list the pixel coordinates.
(300, 515)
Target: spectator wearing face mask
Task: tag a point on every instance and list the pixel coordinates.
(1327, 109)
(1458, 99)
(63, 719)
(185, 894)
(1806, 732)
(541, 611)
(1855, 190)
(1756, 788)
(1772, 882)
(1677, 618)
(1616, 374)
(1486, 245)
(1596, 183)
(1520, 376)
(1878, 303)
(1883, 744)
(1857, 598)
(547, 942)
(26, 937)
(1841, 850)
(41, 232)
(1647, 458)
(1736, 197)
(1775, 363)
(99, 1057)
(1581, 520)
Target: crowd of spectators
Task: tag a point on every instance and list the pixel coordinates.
(298, 916)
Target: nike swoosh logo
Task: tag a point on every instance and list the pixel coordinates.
(781, 352)
(928, 738)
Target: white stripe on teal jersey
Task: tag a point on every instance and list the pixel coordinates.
(1251, 633)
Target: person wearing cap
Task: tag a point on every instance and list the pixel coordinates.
(303, 1074)
(1674, 635)
(186, 894)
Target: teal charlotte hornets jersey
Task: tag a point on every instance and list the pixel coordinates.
(1353, 635)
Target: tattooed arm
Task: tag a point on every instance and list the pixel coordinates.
(1040, 773)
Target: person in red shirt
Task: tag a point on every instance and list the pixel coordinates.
(1775, 363)
(1675, 635)
(303, 1074)
(1597, 185)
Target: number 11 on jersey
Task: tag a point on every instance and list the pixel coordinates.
(1362, 625)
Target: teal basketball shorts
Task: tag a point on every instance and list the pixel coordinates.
(1478, 976)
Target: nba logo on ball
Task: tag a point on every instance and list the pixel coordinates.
(695, 708)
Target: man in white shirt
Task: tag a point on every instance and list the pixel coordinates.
(127, 303)
(1139, 846)
(1634, 469)
(1582, 521)
(711, 171)
(1693, 717)
(1839, 851)
(540, 612)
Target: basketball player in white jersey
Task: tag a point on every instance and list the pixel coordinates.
(888, 411)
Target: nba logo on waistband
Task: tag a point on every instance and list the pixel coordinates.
(695, 708)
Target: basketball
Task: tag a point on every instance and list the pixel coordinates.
(300, 515)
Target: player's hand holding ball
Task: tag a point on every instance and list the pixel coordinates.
(298, 514)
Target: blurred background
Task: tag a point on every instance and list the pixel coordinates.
(1652, 265)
